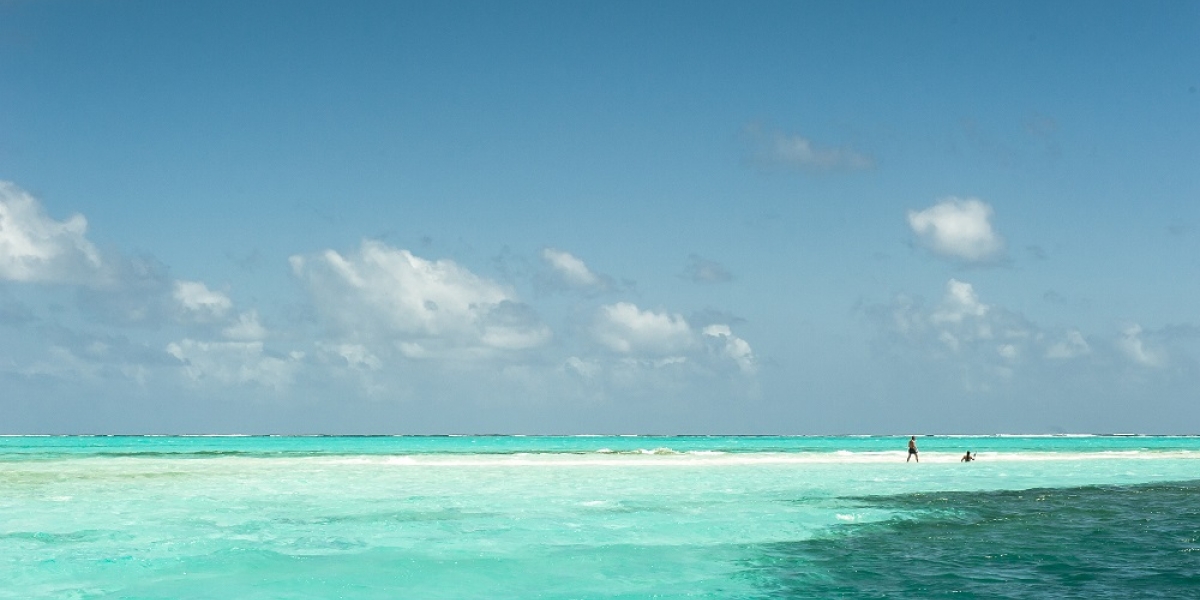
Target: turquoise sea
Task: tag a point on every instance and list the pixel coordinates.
(599, 517)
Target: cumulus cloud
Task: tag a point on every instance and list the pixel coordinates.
(960, 302)
(404, 293)
(732, 347)
(1136, 349)
(797, 152)
(659, 339)
(624, 328)
(36, 248)
(570, 269)
(235, 363)
(200, 303)
(114, 289)
(425, 308)
(653, 354)
(960, 324)
(958, 228)
(513, 326)
(961, 317)
(963, 337)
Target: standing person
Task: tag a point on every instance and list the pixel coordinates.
(912, 449)
(967, 457)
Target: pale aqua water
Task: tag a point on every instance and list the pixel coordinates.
(598, 517)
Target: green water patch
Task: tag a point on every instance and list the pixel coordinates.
(1138, 541)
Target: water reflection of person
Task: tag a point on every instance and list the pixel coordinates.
(912, 449)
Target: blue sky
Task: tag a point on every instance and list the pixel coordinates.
(617, 217)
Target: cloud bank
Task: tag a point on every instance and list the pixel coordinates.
(988, 345)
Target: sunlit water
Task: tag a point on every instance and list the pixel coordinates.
(597, 517)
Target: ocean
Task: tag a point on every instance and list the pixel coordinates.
(599, 517)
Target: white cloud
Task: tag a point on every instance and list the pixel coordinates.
(733, 347)
(402, 292)
(570, 269)
(235, 363)
(798, 152)
(1135, 348)
(36, 248)
(247, 328)
(958, 228)
(960, 303)
(421, 307)
(962, 318)
(200, 303)
(623, 328)
(646, 349)
(649, 339)
(1071, 346)
(961, 337)
(961, 326)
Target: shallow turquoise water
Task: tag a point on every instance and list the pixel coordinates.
(596, 517)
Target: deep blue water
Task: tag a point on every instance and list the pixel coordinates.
(1115, 542)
